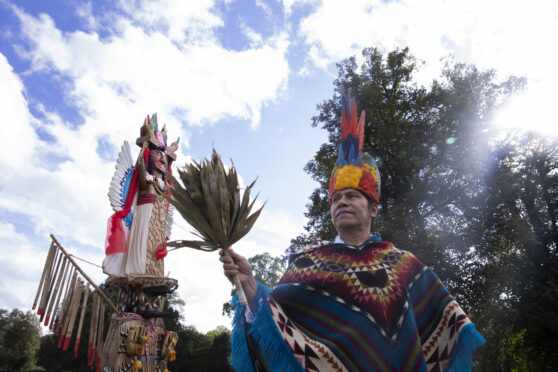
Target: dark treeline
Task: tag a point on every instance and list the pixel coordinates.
(482, 212)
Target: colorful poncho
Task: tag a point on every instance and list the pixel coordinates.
(344, 308)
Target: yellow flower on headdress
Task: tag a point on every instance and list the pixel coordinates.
(348, 177)
(144, 339)
(136, 365)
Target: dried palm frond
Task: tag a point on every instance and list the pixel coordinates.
(211, 202)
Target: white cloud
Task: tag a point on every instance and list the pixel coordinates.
(196, 82)
(508, 34)
(84, 10)
(19, 263)
(265, 7)
(190, 22)
(255, 38)
(14, 110)
(289, 5)
(54, 199)
(513, 37)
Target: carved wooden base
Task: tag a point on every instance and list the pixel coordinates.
(137, 338)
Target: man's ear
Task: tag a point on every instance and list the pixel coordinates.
(374, 210)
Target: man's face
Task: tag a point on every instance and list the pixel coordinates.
(350, 211)
(159, 160)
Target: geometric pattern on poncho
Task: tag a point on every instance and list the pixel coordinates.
(374, 281)
(383, 310)
(312, 355)
(439, 346)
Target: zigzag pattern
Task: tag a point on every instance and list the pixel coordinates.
(373, 280)
(367, 308)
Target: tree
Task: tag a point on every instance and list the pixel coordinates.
(194, 350)
(267, 271)
(420, 137)
(519, 248)
(478, 210)
(19, 340)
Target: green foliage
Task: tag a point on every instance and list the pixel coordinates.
(51, 358)
(267, 270)
(482, 212)
(204, 353)
(19, 340)
(194, 350)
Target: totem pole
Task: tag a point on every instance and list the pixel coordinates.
(137, 338)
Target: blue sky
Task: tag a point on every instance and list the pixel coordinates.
(244, 77)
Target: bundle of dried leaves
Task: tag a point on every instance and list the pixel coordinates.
(211, 202)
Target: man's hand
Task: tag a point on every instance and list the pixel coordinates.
(236, 264)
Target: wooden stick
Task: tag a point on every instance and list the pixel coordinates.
(81, 319)
(63, 284)
(238, 285)
(73, 315)
(68, 287)
(54, 296)
(108, 301)
(54, 274)
(67, 309)
(53, 278)
(93, 330)
(100, 336)
(46, 284)
(67, 294)
(45, 269)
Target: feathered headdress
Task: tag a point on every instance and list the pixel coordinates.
(156, 138)
(353, 169)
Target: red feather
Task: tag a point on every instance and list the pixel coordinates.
(361, 132)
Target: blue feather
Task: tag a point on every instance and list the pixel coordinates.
(341, 157)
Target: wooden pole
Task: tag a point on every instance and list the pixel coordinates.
(53, 277)
(93, 330)
(73, 315)
(54, 296)
(46, 284)
(45, 269)
(81, 319)
(63, 283)
(109, 302)
(100, 336)
(67, 293)
(68, 309)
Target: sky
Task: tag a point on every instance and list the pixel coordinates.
(244, 77)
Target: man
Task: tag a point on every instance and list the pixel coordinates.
(355, 304)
